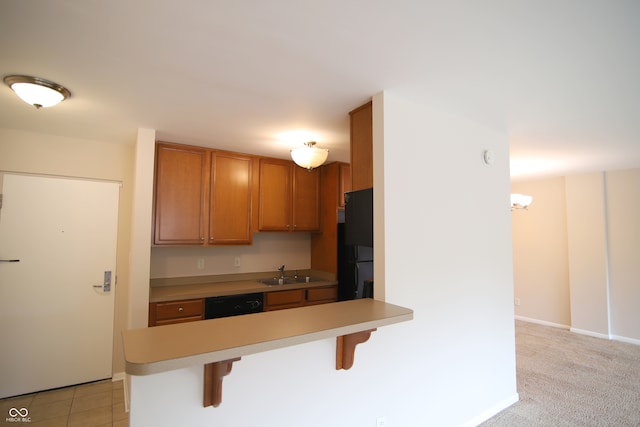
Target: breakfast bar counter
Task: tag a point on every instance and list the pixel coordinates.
(164, 348)
(217, 343)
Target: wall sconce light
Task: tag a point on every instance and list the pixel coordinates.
(309, 156)
(37, 91)
(520, 201)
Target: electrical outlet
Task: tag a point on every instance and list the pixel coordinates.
(516, 301)
(381, 422)
(236, 261)
(200, 263)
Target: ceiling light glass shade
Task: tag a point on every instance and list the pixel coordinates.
(36, 91)
(520, 201)
(309, 156)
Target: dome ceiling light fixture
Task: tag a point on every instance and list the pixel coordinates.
(309, 156)
(37, 91)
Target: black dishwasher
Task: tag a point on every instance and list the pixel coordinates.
(233, 305)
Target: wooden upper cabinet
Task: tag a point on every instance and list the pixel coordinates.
(306, 199)
(288, 197)
(202, 197)
(275, 195)
(335, 181)
(230, 199)
(362, 147)
(181, 190)
(344, 182)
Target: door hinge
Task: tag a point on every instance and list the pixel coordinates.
(1, 200)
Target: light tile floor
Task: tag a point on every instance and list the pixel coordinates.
(97, 404)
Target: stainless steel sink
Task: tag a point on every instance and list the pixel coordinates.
(278, 282)
(287, 280)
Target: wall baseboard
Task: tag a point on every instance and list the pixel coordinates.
(495, 409)
(590, 333)
(580, 331)
(626, 339)
(542, 322)
(122, 376)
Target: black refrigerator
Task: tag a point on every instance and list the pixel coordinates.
(355, 246)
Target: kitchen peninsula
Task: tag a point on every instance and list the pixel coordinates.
(217, 343)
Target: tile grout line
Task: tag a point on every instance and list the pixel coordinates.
(71, 406)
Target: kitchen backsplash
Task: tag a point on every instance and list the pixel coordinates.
(268, 252)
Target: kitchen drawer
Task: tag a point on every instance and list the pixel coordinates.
(322, 295)
(163, 313)
(284, 299)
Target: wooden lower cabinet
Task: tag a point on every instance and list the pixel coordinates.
(279, 300)
(169, 312)
(166, 313)
(322, 295)
(284, 299)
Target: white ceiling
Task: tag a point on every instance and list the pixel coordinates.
(560, 78)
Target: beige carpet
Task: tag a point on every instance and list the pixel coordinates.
(567, 379)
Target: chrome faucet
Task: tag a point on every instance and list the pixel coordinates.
(281, 270)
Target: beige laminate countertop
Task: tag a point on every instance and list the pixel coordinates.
(165, 348)
(204, 290)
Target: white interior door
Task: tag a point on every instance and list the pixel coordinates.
(57, 238)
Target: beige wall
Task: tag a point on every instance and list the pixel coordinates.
(267, 253)
(540, 257)
(576, 253)
(587, 243)
(623, 213)
(29, 152)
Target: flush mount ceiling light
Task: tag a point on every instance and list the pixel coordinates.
(36, 91)
(520, 201)
(309, 156)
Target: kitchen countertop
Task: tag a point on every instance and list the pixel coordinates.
(232, 287)
(165, 348)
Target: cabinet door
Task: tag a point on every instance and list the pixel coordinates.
(306, 199)
(181, 190)
(284, 299)
(323, 295)
(362, 147)
(230, 199)
(275, 195)
(344, 183)
(166, 313)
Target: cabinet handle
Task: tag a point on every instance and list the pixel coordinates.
(202, 238)
(180, 309)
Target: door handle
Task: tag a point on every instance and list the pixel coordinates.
(106, 285)
(9, 260)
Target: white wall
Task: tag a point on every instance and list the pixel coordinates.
(447, 256)
(139, 256)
